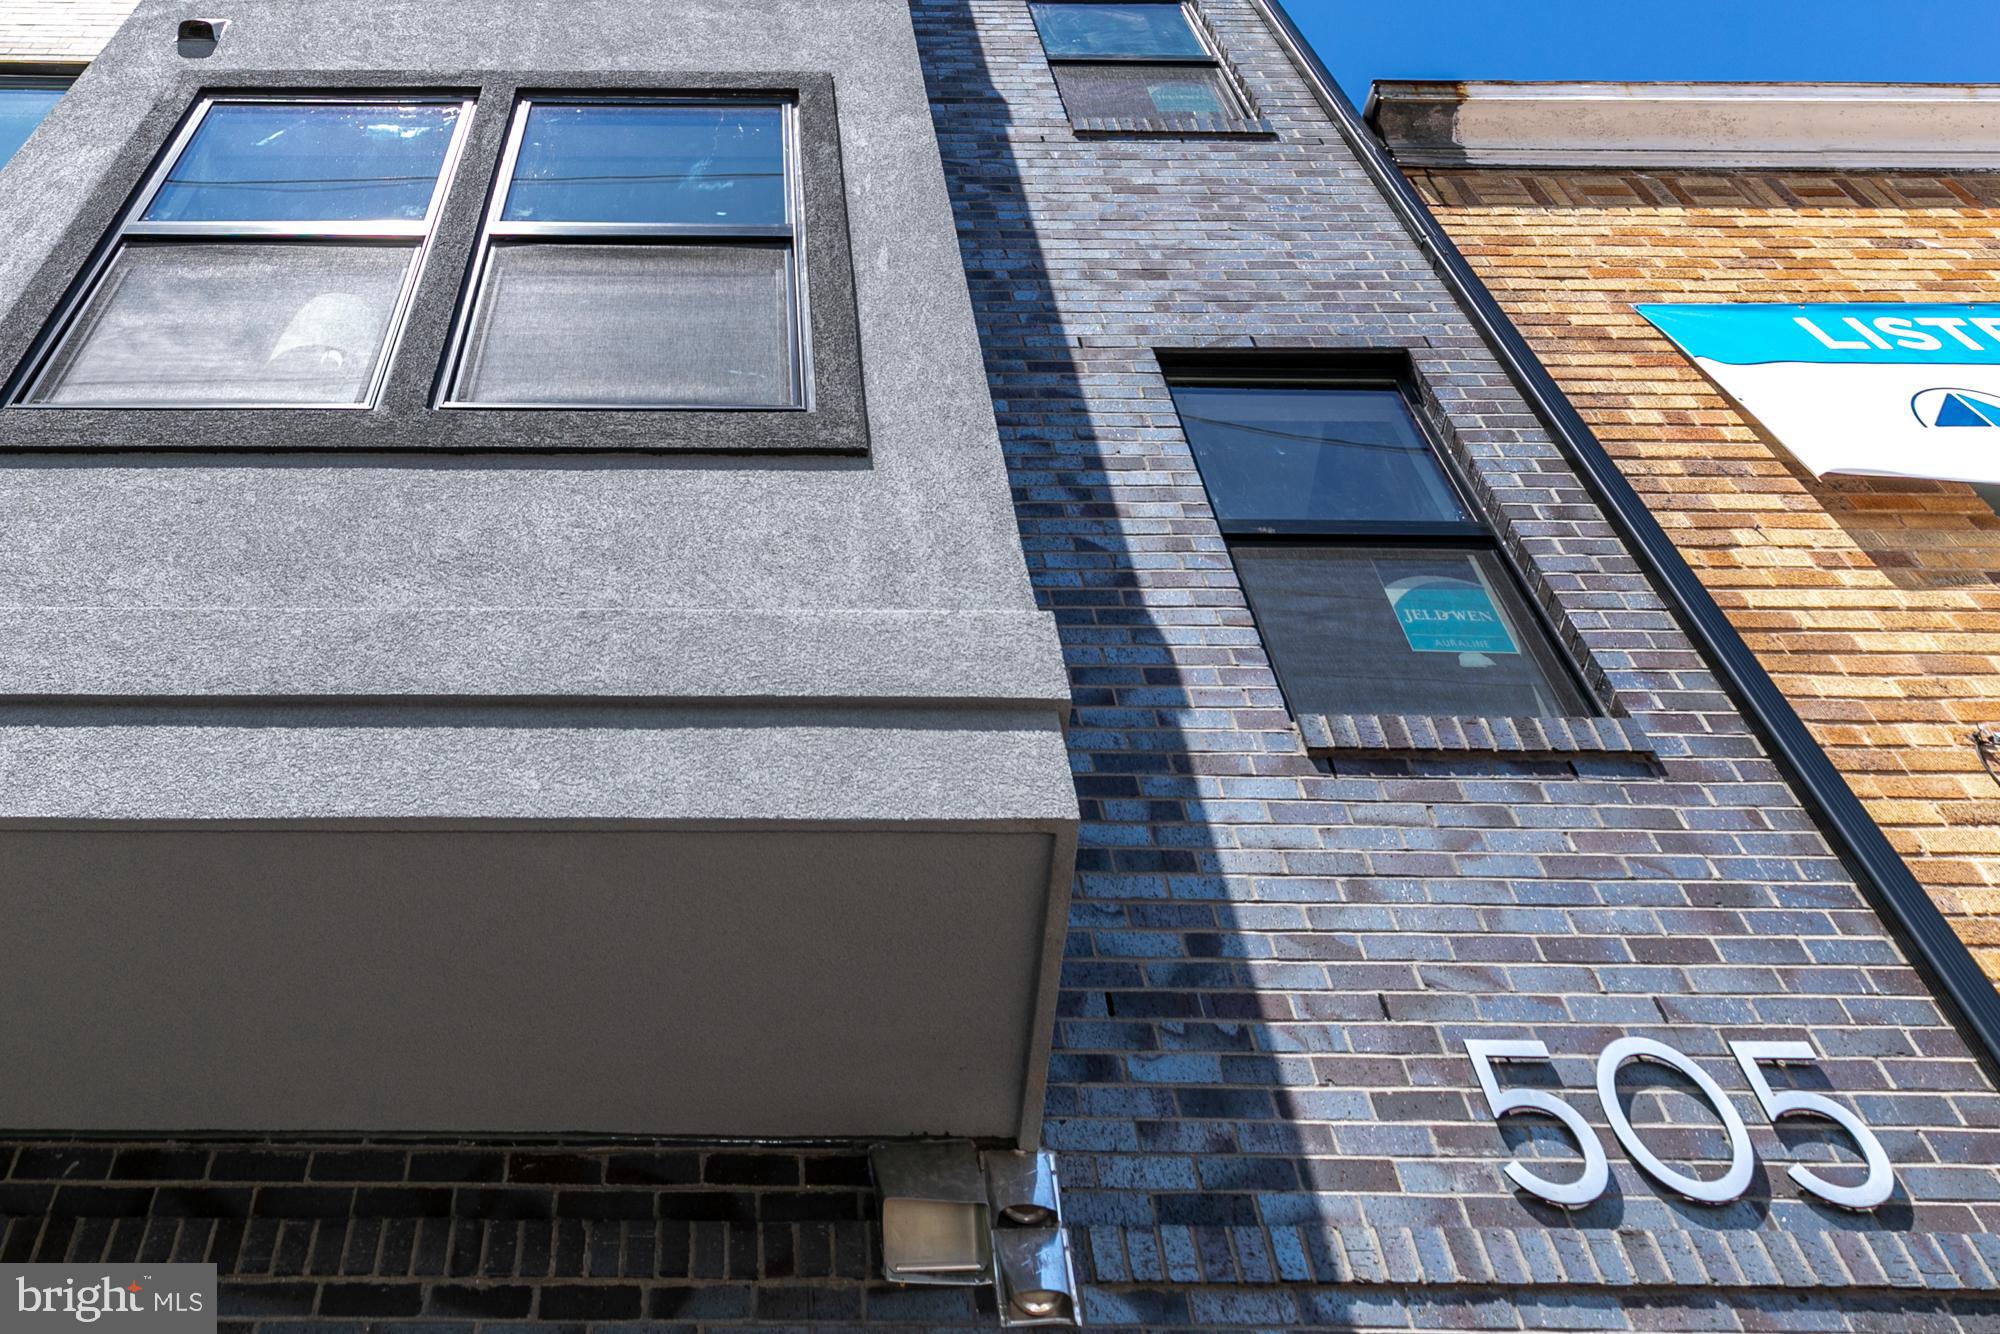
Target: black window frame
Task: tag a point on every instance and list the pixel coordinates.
(1392, 370)
(1239, 117)
(409, 415)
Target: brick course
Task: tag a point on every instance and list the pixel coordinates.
(1874, 603)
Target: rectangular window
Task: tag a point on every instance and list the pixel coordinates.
(23, 103)
(639, 254)
(1142, 60)
(1374, 586)
(266, 263)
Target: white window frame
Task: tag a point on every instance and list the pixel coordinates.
(497, 227)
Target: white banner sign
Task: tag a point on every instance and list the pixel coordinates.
(1887, 390)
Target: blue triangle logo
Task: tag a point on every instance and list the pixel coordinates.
(1956, 411)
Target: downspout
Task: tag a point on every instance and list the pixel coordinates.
(1885, 881)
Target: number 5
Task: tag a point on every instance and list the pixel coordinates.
(1881, 1177)
(1596, 1170)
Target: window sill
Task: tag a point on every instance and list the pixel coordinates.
(1528, 738)
(1191, 124)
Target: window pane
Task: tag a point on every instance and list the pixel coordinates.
(307, 162)
(638, 325)
(688, 164)
(230, 323)
(22, 107)
(1401, 630)
(1141, 92)
(1272, 455)
(1116, 30)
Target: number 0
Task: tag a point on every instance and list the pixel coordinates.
(1741, 1161)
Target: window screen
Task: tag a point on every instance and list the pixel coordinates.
(1375, 588)
(640, 254)
(1131, 61)
(267, 264)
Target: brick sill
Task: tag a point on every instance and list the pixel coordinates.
(1407, 734)
(1239, 126)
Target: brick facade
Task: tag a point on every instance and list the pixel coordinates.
(1272, 964)
(1258, 1090)
(1874, 603)
(58, 30)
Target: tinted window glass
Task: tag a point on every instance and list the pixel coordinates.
(22, 107)
(651, 164)
(1098, 92)
(321, 162)
(1271, 455)
(1400, 630)
(1086, 30)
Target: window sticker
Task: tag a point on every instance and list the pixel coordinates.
(1446, 615)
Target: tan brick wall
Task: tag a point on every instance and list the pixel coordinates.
(1875, 604)
(58, 30)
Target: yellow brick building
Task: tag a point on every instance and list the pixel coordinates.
(1873, 602)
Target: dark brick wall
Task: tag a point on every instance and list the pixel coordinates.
(1272, 965)
(1258, 1092)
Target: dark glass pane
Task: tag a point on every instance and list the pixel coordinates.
(636, 325)
(1116, 30)
(1271, 455)
(1142, 92)
(689, 164)
(1401, 630)
(201, 324)
(22, 107)
(308, 162)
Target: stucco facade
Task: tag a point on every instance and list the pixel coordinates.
(685, 718)
(1277, 944)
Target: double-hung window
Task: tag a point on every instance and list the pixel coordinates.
(267, 262)
(1143, 60)
(23, 103)
(639, 254)
(1373, 584)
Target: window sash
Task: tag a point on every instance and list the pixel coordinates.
(1474, 535)
(418, 234)
(1207, 57)
(1471, 528)
(496, 228)
(1406, 672)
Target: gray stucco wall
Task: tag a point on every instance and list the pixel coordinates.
(696, 643)
(921, 525)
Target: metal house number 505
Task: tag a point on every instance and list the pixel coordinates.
(1596, 1174)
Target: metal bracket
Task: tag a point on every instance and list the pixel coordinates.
(951, 1215)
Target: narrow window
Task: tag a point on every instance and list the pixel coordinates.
(1374, 586)
(639, 254)
(1131, 60)
(266, 263)
(23, 103)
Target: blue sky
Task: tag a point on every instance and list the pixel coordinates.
(1915, 41)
